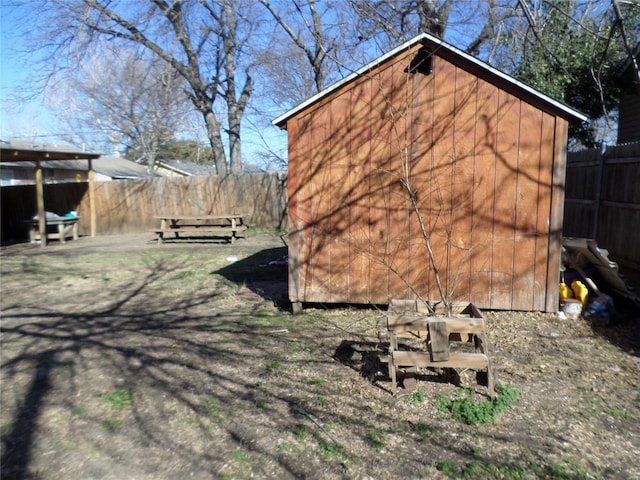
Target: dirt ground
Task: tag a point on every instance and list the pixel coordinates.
(124, 359)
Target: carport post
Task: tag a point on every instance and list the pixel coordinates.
(42, 223)
(92, 200)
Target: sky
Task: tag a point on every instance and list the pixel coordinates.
(17, 119)
(30, 120)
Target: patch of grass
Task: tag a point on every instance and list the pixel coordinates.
(617, 412)
(118, 399)
(78, 410)
(424, 431)
(210, 407)
(415, 397)
(465, 408)
(300, 431)
(288, 447)
(377, 439)
(110, 425)
(240, 456)
(329, 449)
(508, 471)
(272, 366)
(315, 381)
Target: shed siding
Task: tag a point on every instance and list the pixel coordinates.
(481, 163)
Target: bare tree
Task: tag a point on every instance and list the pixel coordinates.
(304, 26)
(133, 101)
(202, 41)
(391, 22)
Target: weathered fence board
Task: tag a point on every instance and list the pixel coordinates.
(602, 201)
(128, 206)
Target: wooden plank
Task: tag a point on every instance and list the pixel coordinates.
(339, 197)
(298, 205)
(407, 323)
(556, 214)
(463, 184)
(525, 260)
(441, 192)
(318, 262)
(422, 137)
(380, 233)
(476, 361)
(438, 340)
(398, 170)
(484, 194)
(505, 197)
(359, 178)
(545, 180)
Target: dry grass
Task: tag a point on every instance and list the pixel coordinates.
(122, 359)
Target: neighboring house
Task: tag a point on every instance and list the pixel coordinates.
(179, 168)
(484, 156)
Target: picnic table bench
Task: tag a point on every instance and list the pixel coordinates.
(221, 225)
(58, 228)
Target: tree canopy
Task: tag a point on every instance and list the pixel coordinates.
(240, 63)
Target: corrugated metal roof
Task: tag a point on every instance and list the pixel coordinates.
(435, 43)
(114, 167)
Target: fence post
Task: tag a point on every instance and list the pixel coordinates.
(598, 182)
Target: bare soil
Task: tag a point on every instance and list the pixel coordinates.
(124, 359)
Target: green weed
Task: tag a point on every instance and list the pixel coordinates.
(111, 425)
(240, 456)
(118, 399)
(465, 408)
(272, 366)
(288, 447)
(415, 397)
(210, 407)
(424, 431)
(377, 439)
(300, 431)
(508, 471)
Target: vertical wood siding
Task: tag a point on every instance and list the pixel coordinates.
(486, 168)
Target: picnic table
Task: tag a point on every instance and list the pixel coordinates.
(57, 228)
(220, 225)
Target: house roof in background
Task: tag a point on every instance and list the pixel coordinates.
(440, 47)
(186, 168)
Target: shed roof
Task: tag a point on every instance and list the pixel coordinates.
(439, 46)
(16, 151)
(114, 167)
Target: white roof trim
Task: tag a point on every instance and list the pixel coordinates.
(425, 36)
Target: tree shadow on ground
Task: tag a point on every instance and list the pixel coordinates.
(264, 273)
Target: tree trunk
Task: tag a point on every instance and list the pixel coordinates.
(213, 132)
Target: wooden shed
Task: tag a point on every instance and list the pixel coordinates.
(427, 136)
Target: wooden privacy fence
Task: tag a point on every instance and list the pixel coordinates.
(602, 201)
(129, 206)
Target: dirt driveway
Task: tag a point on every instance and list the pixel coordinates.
(122, 359)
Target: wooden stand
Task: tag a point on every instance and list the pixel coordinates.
(57, 229)
(410, 319)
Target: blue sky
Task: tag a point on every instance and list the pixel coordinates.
(27, 120)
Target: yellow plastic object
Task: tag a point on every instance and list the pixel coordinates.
(565, 291)
(580, 291)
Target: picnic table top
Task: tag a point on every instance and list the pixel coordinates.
(174, 216)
